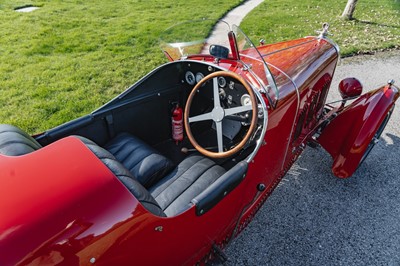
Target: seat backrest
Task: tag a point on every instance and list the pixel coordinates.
(14, 141)
(146, 164)
(123, 174)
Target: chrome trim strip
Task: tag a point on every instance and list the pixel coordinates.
(334, 44)
(330, 41)
(262, 86)
(260, 140)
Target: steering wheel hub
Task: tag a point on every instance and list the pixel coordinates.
(218, 114)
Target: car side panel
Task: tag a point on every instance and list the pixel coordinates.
(55, 201)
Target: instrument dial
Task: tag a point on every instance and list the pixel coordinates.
(189, 77)
(221, 82)
(199, 76)
(245, 99)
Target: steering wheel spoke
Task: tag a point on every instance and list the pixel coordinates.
(217, 102)
(220, 142)
(236, 110)
(201, 117)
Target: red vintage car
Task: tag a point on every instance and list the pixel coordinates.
(176, 166)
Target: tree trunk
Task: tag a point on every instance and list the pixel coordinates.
(349, 10)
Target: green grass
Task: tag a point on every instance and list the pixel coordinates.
(70, 57)
(376, 25)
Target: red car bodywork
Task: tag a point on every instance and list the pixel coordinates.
(60, 210)
(74, 211)
(355, 127)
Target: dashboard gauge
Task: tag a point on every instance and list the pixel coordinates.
(260, 111)
(221, 82)
(199, 76)
(189, 77)
(230, 99)
(245, 100)
(231, 85)
(222, 94)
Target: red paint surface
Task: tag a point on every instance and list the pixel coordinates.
(51, 196)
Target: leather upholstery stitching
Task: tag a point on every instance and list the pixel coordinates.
(17, 142)
(169, 182)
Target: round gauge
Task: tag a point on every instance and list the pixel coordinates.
(245, 100)
(199, 76)
(221, 82)
(190, 79)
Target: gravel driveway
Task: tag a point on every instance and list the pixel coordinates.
(313, 218)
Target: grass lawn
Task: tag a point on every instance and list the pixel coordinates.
(376, 25)
(70, 57)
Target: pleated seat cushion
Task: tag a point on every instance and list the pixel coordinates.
(191, 177)
(15, 142)
(146, 164)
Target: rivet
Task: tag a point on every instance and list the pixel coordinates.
(261, 187)
(92, 260)
(201, 211)
(159, 228)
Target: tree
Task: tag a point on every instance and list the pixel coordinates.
(349, 9)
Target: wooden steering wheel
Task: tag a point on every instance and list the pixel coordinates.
(219, 113)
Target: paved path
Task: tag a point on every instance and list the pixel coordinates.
(313, 218)
(235, 16)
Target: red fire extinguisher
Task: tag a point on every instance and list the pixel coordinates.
(177, 123)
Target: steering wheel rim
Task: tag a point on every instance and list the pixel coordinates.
(218, 114)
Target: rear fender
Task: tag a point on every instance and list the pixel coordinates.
(346, 138)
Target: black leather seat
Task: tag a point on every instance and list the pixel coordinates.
(123, 174)
(173, 190)
(15, 142)
(144, 162)
(191, 177)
